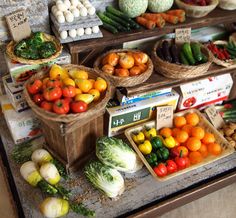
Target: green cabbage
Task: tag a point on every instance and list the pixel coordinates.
(117, 154)
(104, 178)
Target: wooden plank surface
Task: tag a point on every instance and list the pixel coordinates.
(215, 17)
(141, 189)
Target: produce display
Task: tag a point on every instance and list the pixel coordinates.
(187, 54)
(229, 132)
(64, 91)
(197, 2)
(173, 149)
(125, 64)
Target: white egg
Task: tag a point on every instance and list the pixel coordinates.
(58, 13)
(69, 17)
(86, 1)
(67, 3)
(80, 5)
(83, 12)
(88, 31)
(75, 2)
(72, 7)
(91, 10)
(64, 34)
(72, 33)
(75, 12)
(95, 29)
(66, 12)
(61, 7)
(61, 19)
(87, 5)
(80, 31)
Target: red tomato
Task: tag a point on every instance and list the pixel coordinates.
(52, 93)
(38, 98)
(181, 162)
(61, 106)
(68, 91)
(46, 105)
(160, 170)
(53, 83)
(171, 166)
(179, 151)
(187, 161)
(34, 87)
(69, 100)
(78, 106)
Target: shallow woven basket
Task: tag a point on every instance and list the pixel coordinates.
(94, 107)
(124, 81)
(179, 71)
(195, 10)
(227, 4)
(13, 57)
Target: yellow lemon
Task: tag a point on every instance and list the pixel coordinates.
(87, 98)
(100, 84)
(95, 93)
(78, 74)
(57, 72)
(84, 85)
(68, 82)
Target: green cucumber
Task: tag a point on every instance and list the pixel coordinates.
(108, 20)
(110, 28)
(231, 51)
(183, 59)
(186, 48)
(117, 19)
(196, 49)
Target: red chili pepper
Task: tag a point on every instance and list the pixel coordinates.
(226, 53)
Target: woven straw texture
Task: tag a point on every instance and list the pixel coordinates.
(227, 4)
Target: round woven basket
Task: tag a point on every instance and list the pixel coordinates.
(124, 81)
(195, 10)
(227, 4)
(179, 71)
(94, 107)
(10, 52)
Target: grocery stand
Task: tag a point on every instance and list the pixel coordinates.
(156, 198)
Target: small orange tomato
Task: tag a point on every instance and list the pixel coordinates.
(126, 61)
(122, 72)
(144, 57)
(143, 67)
(111, 59)
(107, 68)
(137, 58)
(134, 71)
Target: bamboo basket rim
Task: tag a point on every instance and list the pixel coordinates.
(94, 108)
(213, 4)
(227, 148)
(47, 37)
(125, 81)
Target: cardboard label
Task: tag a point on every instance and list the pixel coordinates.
(164, 117)
(18, 25)
(182, 35)
(214, 117)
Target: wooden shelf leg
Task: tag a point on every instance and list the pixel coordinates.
(75, 58)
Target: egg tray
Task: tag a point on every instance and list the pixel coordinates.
(78, 38)
(79, 22)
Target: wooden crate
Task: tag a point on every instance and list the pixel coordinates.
(227, 149)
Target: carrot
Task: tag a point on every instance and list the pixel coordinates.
(157, 18)
(149, 24)
(170, 18)
(178, 13)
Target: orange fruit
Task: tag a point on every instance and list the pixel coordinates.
(214, 148)
(193, 144)
(192, 119)
(195, 157)
(175, 131)
(181, 136)
(95, 93)
(100, 84)
(208, 138)
(203, 150)
(92, 81)
(77, 91)
(179, 121)
(197, 132)
(166, 132)
(182, 150)
(187, 128)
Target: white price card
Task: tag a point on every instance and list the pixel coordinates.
(214, 116)
(18, 25)
(182, 35)
(164, 117)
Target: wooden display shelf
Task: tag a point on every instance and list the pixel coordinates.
(215, 17)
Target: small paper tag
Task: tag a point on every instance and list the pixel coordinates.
(214, 117)
(182, 35)
(18, 25)
(164, 117)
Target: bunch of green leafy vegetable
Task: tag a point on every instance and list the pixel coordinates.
(35, 47)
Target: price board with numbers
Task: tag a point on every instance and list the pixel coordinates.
(18, 25)
(182, 35)
(164, 117)
(214, 117)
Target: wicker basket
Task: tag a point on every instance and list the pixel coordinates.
(71, 138)
(124, 81)
(227, 4)
(227, 149)
(197, 11)
(179, 71)
(13, 57)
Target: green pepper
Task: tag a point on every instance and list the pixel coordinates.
(156, 143)
(162, 154)
(152, 159)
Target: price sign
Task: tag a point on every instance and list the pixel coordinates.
(214, 117)
(182, 35)
(164, 117)
(18, 25)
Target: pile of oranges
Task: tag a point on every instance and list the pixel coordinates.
(191, 139)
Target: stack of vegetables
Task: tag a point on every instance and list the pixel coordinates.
(228, 130)
(187, 54)
(114, 155)
(172, 149)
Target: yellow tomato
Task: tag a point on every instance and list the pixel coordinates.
(95, 93)
(92, 81)
(45, 80)
(57, 72)
(78, 74)
(68, 82)
(84, 85)
(77, 91)
(100, 84)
